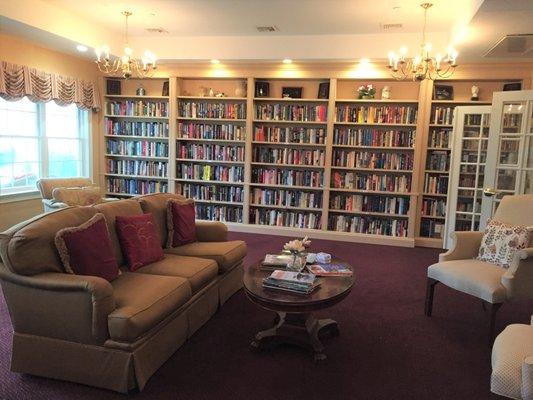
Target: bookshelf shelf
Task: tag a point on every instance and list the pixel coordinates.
(133, 96)
(289, 100)
(191, 160)
(209, 182)
(143, 177)
(372, 124)
(398, 148)
(274, 206)
(384, 101)
(258, 142)
(269, 185)
(207, 98)
(236, 142)
(377, 192)
(211, 119)
(142, 117)
(136, 157)
(281, 122)
(131, 137)
(287, 165)
(378, 170)
(232, 203)
(377, 214)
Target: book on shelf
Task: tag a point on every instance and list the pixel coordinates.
(290, 281)
(137, 108)
(222, 213)
(136, 128)
(438, 160)
(288, 156)
(391, 114)
(332, 269)
(210, 192)
(370, 203)
(375, 182)
(291, 112)
(289, 134)
(439, 138)
(135, 186)
(210, 152)
(285, 198)
(292, 219)
(137, 148)
(220, 173)
(443, 115)
(372, 159)
(204, 109)
(195, 130)
(288, 177)
(373, 137)
(368, 225)
(137, 167)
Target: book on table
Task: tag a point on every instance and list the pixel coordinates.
(295, 282)
(332, 269)
(275, 261)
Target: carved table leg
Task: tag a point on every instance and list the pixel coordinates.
(299, 329)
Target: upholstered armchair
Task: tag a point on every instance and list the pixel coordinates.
(52, 197)
(512, 362)
(494, 285)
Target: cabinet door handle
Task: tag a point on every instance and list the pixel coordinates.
(489, 192)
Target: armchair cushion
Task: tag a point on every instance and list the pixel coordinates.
(142, 301)
(226, 254)
(474, 277)
(77, 196)
(198, 271)
(501, 241)
(86, 249)
(512, 360)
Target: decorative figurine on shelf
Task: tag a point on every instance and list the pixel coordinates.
(221, 94)
(475, 93)
(240, 90)
(366, 91)
(202, 91)
(211, 92)
(141, 91)
(385, 93)
(297, 249)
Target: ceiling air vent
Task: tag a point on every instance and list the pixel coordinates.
(271, 28)
(157, 30)
(391, 26)
(512, 46)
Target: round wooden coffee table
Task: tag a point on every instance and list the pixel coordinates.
(295, 323)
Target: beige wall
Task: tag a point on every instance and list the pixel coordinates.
(20, 51)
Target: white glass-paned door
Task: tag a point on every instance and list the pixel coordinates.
(469, 155)
(509, 167)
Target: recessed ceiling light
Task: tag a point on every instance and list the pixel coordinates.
(215, 61)
(287, 61)
(81, 48)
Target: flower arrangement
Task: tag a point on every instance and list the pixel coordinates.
(366, 91)
(296, 248)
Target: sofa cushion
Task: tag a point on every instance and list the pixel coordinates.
(478, 278)
(198, 271)
(86, 249)
(111, 210)
(226, 254)
(142, 301)
(181, 222)
(29, 248)
(77, 196)
(156, 204)
(138, 240)
(47, 185)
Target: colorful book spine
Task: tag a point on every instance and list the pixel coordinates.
(433, 207)
(436, 184)
(373, 137)
(143, 148)
(389, 114)
(368, 225)
(439, 138)
(137, 108)
(373, 182)
(285, 198)
(210, 152)
(442, 115)
(137, 167)
(233, 194)
(222, 110)
(193, 130)
(275, 155)
(288, 177)
(220, 213)
(292, 219)
(135, 186)
(291, 112)
(438, 161)
(136, 128)
(289, 134)
(364, 203)
(220, 173)
(370, 159)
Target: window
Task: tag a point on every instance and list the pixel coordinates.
(41, 140)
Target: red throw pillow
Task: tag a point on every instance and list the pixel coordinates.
(87, 250)
(139, 240)
(181, 222)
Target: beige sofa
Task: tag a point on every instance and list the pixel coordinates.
(112, 335)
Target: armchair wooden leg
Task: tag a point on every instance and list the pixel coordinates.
(430, 290)
(493, 309)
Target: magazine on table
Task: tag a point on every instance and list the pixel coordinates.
(332, 269)
(276, 260)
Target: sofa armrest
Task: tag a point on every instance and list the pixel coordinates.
(466, 245)
(58, 305)
(518, 279)
(211, 231)
(527, 378)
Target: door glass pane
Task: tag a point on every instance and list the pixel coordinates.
(506, 179)
(463, 222)
(509, 149)
(470, 151)
(481, 177)
(512, 117)
(465, 200)
(528, 181)
(529, 152)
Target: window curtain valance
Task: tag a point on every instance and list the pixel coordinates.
(17, 81)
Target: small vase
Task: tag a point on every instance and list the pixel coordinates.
(298, 262)
(366, 97)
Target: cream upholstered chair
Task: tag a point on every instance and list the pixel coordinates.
(47, 185)
(512, 362)
(458, 268)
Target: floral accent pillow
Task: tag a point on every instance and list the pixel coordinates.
(501, 241)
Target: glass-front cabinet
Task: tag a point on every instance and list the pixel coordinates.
(469, 155)
(509, 168)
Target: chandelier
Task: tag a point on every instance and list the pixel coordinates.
(126, 65)
(423, 65)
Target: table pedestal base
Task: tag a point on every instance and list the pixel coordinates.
(299, 329)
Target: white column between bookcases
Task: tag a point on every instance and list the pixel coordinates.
(250, 112)
(329, 152)
(173, 133)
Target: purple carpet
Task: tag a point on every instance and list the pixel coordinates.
(387, 348)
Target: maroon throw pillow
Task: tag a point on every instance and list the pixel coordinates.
(181, 222)
(138, 240)
(87, 250)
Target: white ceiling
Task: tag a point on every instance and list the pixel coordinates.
(307, 29)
